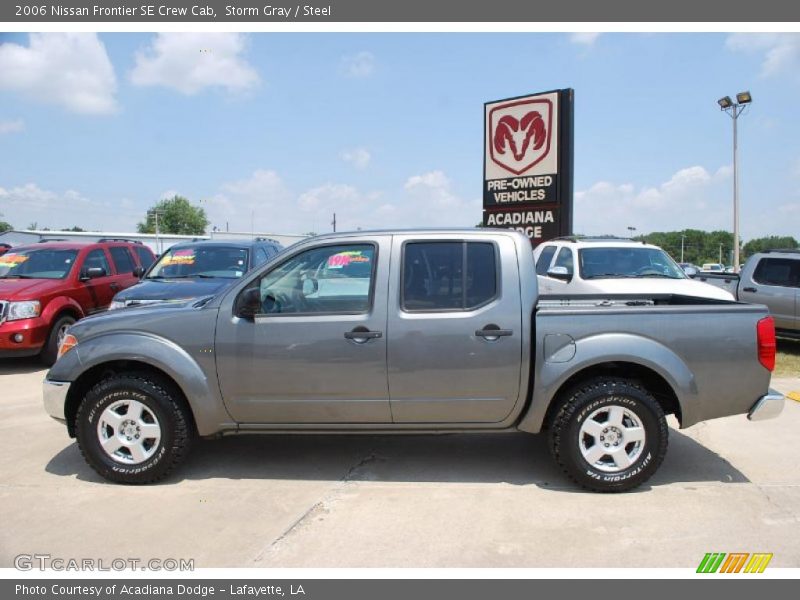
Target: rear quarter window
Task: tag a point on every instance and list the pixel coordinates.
(782, 272)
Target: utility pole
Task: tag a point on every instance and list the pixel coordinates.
(683, 237)
(155, 213)
(334, 222)
(720, 253)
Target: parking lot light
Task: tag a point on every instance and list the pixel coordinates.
(734, 109)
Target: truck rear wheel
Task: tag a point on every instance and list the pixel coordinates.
(132, 428)
(609, 435)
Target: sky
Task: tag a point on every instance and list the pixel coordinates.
(277, 132)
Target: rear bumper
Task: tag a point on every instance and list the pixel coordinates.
(54, 394)
(768, 406)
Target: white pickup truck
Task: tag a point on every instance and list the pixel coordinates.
(577, 266)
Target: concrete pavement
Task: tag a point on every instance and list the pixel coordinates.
(424, 501)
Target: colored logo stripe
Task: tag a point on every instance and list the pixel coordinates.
(711, 562)
(735, 562)
(758, 562)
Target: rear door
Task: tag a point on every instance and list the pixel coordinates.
(124, 264)
(775, 282)
(454, 332)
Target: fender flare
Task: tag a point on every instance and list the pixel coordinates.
(201, 393)
(611, 348)
(58, 304)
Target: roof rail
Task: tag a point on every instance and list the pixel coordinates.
(119, 240)
(596, 238)
(783, 250)
(43, 240)
(266, 239)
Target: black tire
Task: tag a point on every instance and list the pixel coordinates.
(163, 403)
(49, 352)
(567, 441)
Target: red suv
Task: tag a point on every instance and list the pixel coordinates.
(46, 287)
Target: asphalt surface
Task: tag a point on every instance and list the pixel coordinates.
(727, 485)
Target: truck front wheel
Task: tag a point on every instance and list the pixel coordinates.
(133, 428)
(609, 435)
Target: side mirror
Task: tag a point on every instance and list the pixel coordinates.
(559, 273)
(139, 272)
(690, 271)
(92, 273)
(248, 304)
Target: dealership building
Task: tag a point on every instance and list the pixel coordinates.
(157, 243)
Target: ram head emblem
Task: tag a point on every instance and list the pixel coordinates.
(517, 135)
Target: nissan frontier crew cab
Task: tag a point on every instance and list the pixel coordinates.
(414, 332)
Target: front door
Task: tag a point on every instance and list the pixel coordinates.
(316, 350)
(455, 338)
(100, 289)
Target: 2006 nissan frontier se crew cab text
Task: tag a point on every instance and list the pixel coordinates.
(417, 332)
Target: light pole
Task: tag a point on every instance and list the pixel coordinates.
(734, 109)
(155, 214)
(631, 229)
(683, 237)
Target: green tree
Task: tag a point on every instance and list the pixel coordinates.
(698, 246)
(5, 226)
(74, 228)
(772, 242)
(175, 215)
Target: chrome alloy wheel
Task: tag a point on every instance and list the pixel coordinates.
(61, 334)
(128, 431)
(611, 439)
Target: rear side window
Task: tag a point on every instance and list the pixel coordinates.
(262, 255)
(448, 275)
(545, 258)
(122, 259)
(783, 272)
(145, 256)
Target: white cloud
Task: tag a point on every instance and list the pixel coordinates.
(191, 62)
(691, 198)
(425, 200)
(781, 50)
(358, 157)
(359, 65)
(584, 38)
(30, 203)
(68, 69)
(12, 126)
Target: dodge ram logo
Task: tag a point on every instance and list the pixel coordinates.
(520, 134)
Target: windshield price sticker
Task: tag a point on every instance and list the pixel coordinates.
(180, 257)
(12, 260)
(342, 259)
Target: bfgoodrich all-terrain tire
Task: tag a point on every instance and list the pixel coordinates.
(609, 435)
(133, 428)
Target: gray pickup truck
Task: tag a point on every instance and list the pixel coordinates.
(771, 278)
(413, 332)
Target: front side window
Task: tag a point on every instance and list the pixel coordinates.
(39, 263)
(326, 280)
(226, 262)
(434, 275)
(97, 259)
(781, 272)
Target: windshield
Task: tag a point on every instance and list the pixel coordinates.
(37, 263)
(601, 263)
(213, 261)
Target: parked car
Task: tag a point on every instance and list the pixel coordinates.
(575, 266)
(197, 269)
(713, 268)
(46, 287)
(413, 332)
(771, 278)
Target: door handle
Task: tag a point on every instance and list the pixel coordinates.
(492, 332)
(749, 289)
(361, 335)
(114, 286)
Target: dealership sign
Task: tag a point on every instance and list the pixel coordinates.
(528, 164)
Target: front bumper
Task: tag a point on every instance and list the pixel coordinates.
(54, 394)
(768, 406)
(34, 334)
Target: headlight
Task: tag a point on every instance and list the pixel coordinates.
(23, 310)
(115, 304)
(67, 343)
